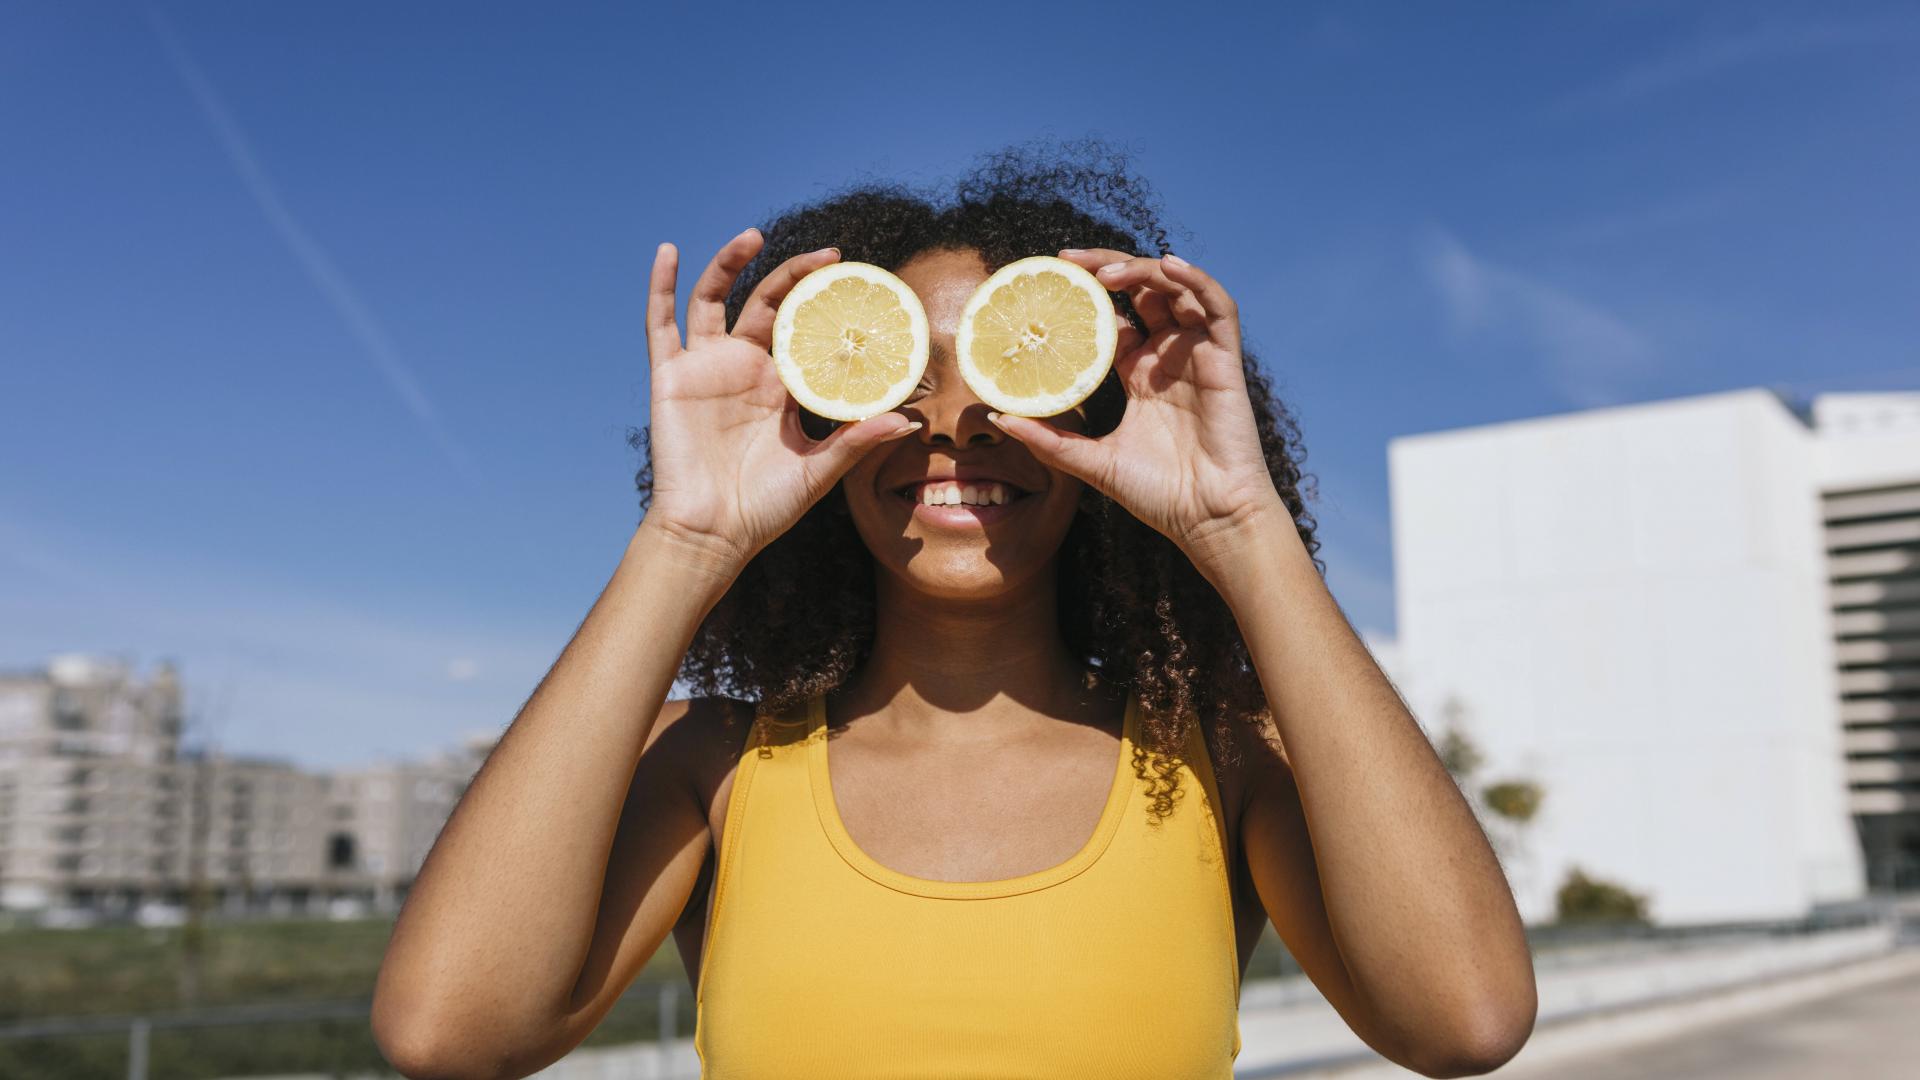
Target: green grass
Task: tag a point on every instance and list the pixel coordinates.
(116, 971)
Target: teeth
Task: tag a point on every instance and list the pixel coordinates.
(949, 493)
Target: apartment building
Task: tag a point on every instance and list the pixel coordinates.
(103, 813)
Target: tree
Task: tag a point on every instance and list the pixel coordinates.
(1458, 753)
(1506, 808)
(1515, 800)
(1584, 899)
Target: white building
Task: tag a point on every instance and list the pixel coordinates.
(1868, 461)
(104, 814)
(1637, 608)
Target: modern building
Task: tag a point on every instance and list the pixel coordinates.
(104, 814)
(1696, 624)
(1868, 461)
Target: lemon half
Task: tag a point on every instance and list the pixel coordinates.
(1037, 337)
(850, 341)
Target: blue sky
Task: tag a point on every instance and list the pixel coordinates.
(320, 325)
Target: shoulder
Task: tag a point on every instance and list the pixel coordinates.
(1255, 763)
(699, 740)
(701, 718)
(1254, 778)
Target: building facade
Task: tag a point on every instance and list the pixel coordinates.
(1868, 457)
(104, 814)
(1661, 614)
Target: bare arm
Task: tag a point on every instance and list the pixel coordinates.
(481, 970)
(1365, 855)
(575, 848)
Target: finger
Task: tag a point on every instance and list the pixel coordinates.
(1151, 275)
(663, 332)
(831, 457)
(1130, 339)
(1149, 305)
(1069, 451)
(755, 323)
(707, 304)
(1222, 314)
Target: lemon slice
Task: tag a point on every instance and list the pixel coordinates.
(1037, 337)
(850, 341)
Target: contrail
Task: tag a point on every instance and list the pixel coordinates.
(328, 278)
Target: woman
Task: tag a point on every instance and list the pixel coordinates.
(1030, 856)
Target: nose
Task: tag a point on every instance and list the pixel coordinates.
(950, 414)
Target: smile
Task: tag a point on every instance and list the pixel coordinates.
(961, 504)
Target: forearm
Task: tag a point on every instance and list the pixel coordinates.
(496, 927)
(1417, 903)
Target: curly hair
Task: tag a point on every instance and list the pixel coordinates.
(799, 619)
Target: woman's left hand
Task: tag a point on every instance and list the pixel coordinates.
(1186, 456)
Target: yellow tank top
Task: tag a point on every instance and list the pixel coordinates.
(822, 963)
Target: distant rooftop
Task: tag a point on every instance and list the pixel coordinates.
(1866, 414)
(1830, 415)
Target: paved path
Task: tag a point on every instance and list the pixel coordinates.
(1869, 1033)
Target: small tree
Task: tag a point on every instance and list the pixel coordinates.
(1583, 899)
(1506, 808)
(1515, 800)
(1458, 753)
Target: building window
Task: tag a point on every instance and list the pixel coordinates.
(67, 713)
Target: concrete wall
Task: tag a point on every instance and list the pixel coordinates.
(1629, 605)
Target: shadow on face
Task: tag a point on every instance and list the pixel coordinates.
(1016, 512)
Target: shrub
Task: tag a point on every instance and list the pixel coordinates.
(1586, 899)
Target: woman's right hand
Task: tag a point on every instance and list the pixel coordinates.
(732, 469)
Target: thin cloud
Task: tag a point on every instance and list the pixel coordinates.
(1771, 41)
(319, 266)
(1587, 352)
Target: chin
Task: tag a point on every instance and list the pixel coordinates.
(960, 575)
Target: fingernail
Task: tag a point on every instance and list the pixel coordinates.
(1113, 267)
(835, 250)
(1175, 259)
(995, 417)
(908, 430)
(1072, 251)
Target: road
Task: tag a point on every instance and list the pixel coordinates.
(1872, 1033)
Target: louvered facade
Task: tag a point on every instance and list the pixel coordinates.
(1871, 508)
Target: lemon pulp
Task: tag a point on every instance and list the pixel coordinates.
(1037, 337)
(850, 341)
